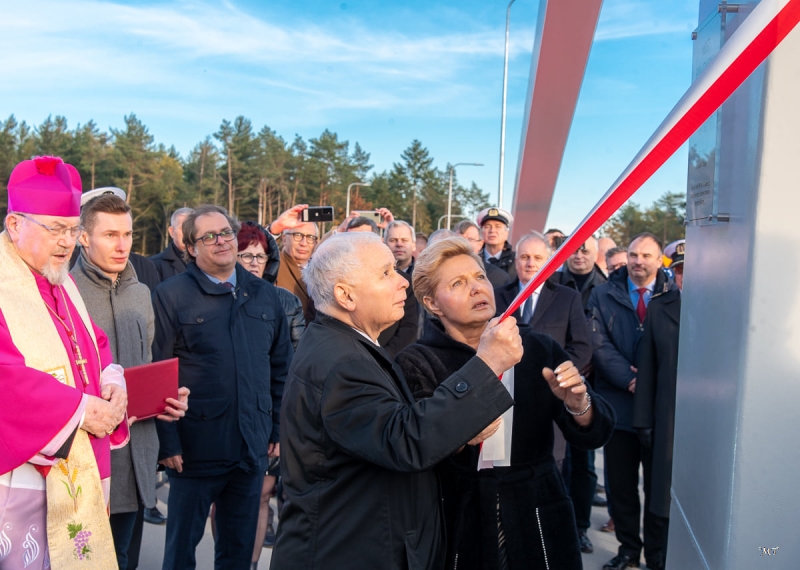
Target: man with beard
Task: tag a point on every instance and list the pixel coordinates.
(63, 403)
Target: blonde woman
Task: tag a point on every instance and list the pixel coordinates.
(505, 504)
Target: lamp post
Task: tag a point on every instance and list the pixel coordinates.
(503, 112)
(348, 194)
(450, 192)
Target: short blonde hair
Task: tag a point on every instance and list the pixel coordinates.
(425, 278)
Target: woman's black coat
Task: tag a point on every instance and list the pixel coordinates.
(537, 514)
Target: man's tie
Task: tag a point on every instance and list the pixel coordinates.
(228, 285)
(641, 308)
(527, 311)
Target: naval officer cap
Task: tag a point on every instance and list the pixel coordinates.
(92, 194)
(498, 214)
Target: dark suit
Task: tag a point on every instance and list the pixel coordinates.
(654, 399)
(558, 313)
(169, 262)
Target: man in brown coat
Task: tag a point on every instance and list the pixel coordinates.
(298, 239)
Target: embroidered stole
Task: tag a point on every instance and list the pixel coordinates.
(78, 531)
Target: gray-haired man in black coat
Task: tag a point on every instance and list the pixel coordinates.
(357, 451)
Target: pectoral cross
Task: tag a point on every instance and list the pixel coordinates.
(80, 361)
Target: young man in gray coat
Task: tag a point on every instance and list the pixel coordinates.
(121, 306)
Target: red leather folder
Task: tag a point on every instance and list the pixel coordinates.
(149, 385)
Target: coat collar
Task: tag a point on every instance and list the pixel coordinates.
(434, 335)
(172, 253)
(380, 355)
(99, 279)
(565, 277)
(619, 285)
(211, 288)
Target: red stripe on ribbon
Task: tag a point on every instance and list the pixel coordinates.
(718, 92)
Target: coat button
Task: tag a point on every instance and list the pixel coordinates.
(263, 316)
(462, 387)
(245, 293)
(199, 319)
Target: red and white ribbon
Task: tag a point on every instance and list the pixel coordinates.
(760, 33)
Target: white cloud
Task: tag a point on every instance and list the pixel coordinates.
(194, 50)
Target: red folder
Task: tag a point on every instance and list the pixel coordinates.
(149, 385)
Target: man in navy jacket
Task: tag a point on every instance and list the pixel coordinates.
(229, 332)
(618, 309)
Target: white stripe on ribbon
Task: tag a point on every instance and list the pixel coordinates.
(760, 33)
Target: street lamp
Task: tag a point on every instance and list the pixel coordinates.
(503, 113)
(450, 192)
(348, 194)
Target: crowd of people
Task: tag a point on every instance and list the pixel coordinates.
(361, 375)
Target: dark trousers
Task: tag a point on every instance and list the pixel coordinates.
(581, 481)
(623, 454)
(237, 496)
(136, 540)
(122, 525)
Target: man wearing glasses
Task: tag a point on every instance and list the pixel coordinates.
(298, 239)
(63, 405)
(229, 332)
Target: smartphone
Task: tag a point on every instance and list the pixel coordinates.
(370, 215)
(318, 214)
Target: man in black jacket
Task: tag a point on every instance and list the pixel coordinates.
(654, 399)
(552, 309)
(581, 272)
(557, 311)
(357, 451)
(229, 332)
(400, 240)
(618, 310)
(170, 261)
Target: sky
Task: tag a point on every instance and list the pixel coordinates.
(380, 73)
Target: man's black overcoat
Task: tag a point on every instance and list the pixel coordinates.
(357, 453)
(654, 400)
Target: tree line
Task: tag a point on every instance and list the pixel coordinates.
(254, 174)
(664, 218)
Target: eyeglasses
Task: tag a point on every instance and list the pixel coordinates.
(298, 237)
(58, 231)
(211, 238)
(260, 258)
